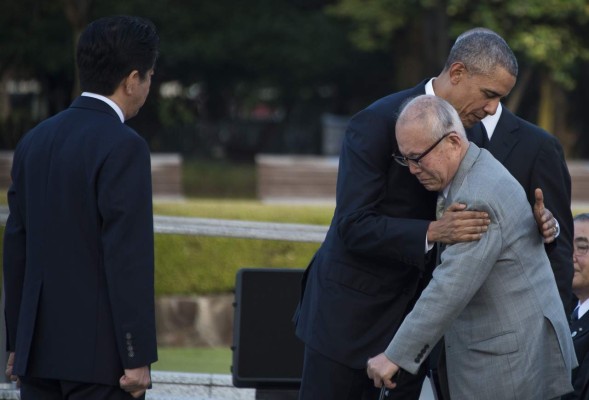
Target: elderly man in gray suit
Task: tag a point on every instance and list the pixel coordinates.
(494, 300)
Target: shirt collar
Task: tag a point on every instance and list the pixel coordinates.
(446, 190)
(583, 308)
(490, 121)
(429, 87)
(108, 101)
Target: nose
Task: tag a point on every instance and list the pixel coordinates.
(491, 107)
(414, 168)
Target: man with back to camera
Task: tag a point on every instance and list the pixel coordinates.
(374, 261)
(580, 316)
(78, 244)
(495, 300)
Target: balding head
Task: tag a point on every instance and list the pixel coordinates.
(431, 140)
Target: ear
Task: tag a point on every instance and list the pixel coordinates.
(130, 82)
(457, 72)
(455, 139)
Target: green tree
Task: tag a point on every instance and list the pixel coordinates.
(35, 42)
(548, 36)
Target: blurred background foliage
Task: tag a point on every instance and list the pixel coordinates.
(239, 78)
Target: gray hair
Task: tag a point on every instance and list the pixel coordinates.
(481, 51)
(436, 114)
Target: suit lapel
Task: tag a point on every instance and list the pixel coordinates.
(580, 327)
(505, 136)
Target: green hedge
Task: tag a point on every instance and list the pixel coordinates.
(201, 265)
(193, 264)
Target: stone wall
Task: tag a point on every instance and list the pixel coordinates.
(195, 320)
(166, 174)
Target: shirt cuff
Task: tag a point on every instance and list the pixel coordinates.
(428, 245)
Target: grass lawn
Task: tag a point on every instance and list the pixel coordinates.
(215, 360)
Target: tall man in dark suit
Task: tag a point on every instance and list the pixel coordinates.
(375, 261)
(78, 244)
(535, 158)
(580, 316)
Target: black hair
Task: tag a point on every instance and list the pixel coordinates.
(110, 48)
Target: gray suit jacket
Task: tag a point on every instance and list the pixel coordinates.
(495, 300)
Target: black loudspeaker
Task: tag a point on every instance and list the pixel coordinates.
(266, 352)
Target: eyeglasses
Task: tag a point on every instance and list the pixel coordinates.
(581, 248)
(405, 161)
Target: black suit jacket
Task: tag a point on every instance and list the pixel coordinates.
(369, 270)
(536, 159)
(78, 249)
(580, 333)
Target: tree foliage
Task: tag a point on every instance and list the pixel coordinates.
(301, 57)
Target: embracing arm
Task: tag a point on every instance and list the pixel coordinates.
(382, 210)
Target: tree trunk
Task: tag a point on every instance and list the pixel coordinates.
(546, 106)
(518, 92)
(77, 12)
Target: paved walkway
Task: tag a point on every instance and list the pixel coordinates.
(186, 386)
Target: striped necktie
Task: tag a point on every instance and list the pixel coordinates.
(440, 205)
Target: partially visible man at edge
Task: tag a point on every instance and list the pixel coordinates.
(78, 244)
(580, 316)
(374, 261)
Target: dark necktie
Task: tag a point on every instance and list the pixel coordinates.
(478, 135)
(575, 314)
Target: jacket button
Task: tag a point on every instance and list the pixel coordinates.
(128, 335)
(417, 359)
(131, 354)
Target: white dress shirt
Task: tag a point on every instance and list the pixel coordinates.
(108, 101)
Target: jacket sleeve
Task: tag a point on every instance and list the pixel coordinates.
(125, 206)
(463, 270)
(550, 173)
(365, 162)
(14, 262)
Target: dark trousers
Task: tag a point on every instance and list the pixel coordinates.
(51, 389)
(325, 379)
(438, 373)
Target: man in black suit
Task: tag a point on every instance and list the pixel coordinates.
(78, 244)
(375, 261)
(536, 159)
(580, 316)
